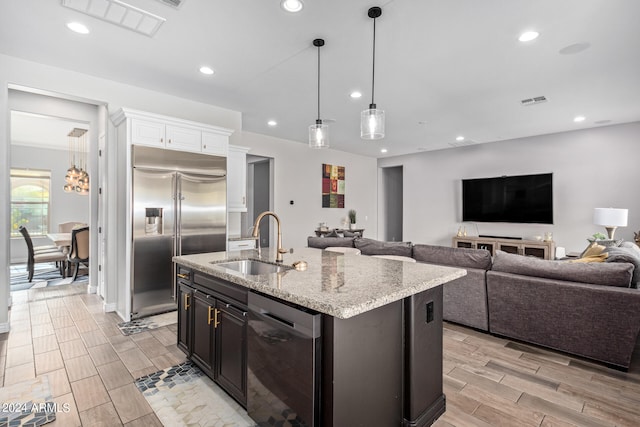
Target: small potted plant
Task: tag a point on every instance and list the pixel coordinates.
(352, 219)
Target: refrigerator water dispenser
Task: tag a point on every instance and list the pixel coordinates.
(153, 221)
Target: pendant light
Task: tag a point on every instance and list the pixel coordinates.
(372, 119)
(319, 132)
(77, 178)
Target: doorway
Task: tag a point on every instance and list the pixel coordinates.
(40, 125)
(392, 203)
(259, 195)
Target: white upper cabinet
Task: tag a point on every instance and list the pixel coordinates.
(144, 132)
(215, 144)
(237, 179)
(154, 130)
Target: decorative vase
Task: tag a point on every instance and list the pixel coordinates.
(352, 226)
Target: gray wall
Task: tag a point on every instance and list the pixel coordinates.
(591, 168)
(392, 203)
(64, 207)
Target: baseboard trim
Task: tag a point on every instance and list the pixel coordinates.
(108, 308)
(4, 327)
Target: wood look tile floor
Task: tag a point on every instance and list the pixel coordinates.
(488, 381)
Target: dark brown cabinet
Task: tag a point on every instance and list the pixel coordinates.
(212, 331)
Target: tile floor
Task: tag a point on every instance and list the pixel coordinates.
(488, 381)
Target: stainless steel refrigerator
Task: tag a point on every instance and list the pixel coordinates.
(179, 208)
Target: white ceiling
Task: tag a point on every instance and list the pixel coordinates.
(37, 130)
(443, 68)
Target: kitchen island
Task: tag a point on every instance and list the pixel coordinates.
(348, 340)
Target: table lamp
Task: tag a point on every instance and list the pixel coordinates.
(610, 218)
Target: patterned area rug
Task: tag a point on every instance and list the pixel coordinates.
(184, 396)
(146, 323)
(27, 404)
(44, 275)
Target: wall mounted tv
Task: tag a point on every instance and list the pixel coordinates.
(518, 199)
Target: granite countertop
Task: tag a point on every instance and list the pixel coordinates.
(340, 285)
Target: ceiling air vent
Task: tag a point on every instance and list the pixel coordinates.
(463, 143)
(532, 101)
(174, 3)
(119, 13)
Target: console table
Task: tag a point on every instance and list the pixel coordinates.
(537, 248)
(320, 233)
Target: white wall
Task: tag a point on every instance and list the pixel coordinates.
(17, 72)
(298, 177)
(591, 168)
(64, 207)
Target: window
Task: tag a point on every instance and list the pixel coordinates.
(30, 201)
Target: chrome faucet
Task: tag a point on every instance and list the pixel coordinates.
(256, 232)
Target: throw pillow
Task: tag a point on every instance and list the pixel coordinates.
(592, 258)
(629, 254)
(593, 249)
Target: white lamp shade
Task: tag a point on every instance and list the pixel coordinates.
(319, 136)
(610, 217)
(372, 124)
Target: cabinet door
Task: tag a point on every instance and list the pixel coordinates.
(204, 320)
(183, 139)
(237, 179)
(231, 351)
(185, 307)
(537, 251)
(214, 144)
(510, 248)
(147, 133)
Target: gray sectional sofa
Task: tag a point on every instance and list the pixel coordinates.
(587, 309)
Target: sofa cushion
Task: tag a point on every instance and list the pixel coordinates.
(454, 257)
(325, 242)
(629, 254)
(377, 247)
(609, 274)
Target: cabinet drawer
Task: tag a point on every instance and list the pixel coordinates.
(238, 245)
(222, 287)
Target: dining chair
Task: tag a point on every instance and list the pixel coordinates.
(43, 255)
(79, 253)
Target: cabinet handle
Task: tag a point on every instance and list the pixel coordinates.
(169, 141)
(216, 322)
(204, 146)
(161, 139)
(209, 317)
(244, 200)
(186, 301)
(183, 275)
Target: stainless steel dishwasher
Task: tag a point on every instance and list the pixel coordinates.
(283, 376)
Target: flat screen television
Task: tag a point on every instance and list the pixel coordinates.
(518, 199)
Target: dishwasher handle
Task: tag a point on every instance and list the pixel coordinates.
(286, 316)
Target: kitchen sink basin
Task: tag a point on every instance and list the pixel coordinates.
(252, 267)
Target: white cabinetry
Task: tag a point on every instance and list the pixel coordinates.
(170, 133)
(237, 179)
(238, 245)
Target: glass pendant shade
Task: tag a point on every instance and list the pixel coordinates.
(77, 178)
(319, 135)
(68, 188)
(372, 123)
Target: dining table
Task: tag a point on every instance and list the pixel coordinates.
(62, 240)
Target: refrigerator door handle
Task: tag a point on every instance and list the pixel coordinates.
(176, 234)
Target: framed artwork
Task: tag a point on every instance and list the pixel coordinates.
(332, 186)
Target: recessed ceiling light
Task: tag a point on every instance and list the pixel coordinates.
(383, 150)
(355, 95)
(272, 123)
(206, 70)
(460, 138)
(77, 27)
(527, 36)
(579, 119)
(291, 5)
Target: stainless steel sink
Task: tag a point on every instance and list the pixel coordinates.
(252, 267)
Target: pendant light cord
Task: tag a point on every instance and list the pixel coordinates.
(373, 74)
(318, 83)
